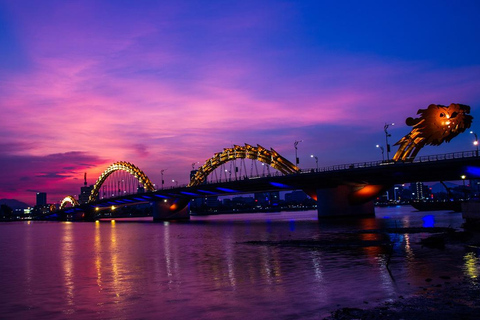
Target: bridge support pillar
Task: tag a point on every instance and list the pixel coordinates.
(171, 209)
(336, 202)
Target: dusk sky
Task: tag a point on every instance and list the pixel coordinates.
(164, 84)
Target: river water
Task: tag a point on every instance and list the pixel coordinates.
(260, 266)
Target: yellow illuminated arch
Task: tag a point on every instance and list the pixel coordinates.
(68, 199)
(123, 166)
(270, 157)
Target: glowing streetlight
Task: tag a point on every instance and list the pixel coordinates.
(385, 127)
(383, 150)
(475, 143)
(176, 182)
(464, 191)
(316, 160)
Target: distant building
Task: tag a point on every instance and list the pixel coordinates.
(85, 194)
(85, 191)
(420, 191)
(243, 201)
(267, 198)
(209, 202)
(295, 197)
(41, 199)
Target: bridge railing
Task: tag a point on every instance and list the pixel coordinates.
(448, 156)
(429, 158)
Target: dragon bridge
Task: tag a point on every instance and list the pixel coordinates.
(121, 166)
(259, 153)
(68, 199)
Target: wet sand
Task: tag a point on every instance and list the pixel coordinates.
(441, 298)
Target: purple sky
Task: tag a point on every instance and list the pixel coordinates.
(165, 84)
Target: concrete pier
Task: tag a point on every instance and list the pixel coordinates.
(171, 209)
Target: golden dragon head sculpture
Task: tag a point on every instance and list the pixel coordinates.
(435, 125)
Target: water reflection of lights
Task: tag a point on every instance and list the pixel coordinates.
(320, 280)
(67, 260)
(230, 264)
(29, 268)
(408, 248)
(388, 282)
(271, 266)
(428, 221)
(98, 254)
(472, 264)
(114, 253)
(168, 255)
(317, 266)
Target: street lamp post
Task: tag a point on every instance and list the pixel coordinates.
(316, 160)
(385, 127)
(163, 181)
(176, 182)
(383, 150)
(295, 144)
(475, 143)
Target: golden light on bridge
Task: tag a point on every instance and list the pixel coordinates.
(121, 166)
(259, 153)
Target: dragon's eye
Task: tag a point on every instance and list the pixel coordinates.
(442, 115)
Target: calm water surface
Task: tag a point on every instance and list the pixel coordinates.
(206, 269)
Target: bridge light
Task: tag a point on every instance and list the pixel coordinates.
(97, 208)
(113, 207)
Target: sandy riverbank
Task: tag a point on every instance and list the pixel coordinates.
(440, 298)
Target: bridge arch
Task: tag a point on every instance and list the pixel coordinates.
(259, 153)
(122, 166)
(68, 199)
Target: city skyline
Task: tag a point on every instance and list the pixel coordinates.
(164, 85)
